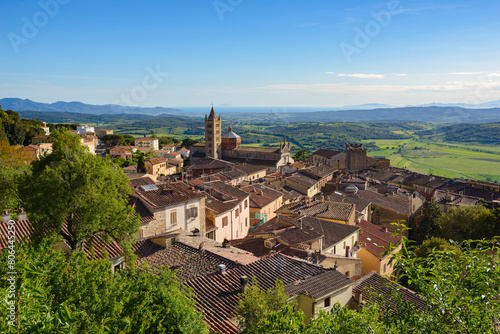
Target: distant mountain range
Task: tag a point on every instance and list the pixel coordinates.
(434, 112)
(80, 107)
(491, 104)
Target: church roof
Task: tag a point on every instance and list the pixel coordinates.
(212, 114)
(230, 134)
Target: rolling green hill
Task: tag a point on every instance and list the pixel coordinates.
(466, 133)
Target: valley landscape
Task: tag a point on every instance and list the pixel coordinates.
(250, 167)
(456, 142)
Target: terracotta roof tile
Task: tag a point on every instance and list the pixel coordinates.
(443, 197)
(169, 194)
(319, 285)
(373, 286)
(375, 239)
(326, 153)
(260, 195)
(187, 262)
(209, 163)
(217, 294)
(328, 210)
(98, 247)
(302, 179)
(141, 210)
(248, 169)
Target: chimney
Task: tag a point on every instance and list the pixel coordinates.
(222, 269)
(358, 296)
(243, 283)
(5, 216)
(21, 215)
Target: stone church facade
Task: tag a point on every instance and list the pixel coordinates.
(228, 147)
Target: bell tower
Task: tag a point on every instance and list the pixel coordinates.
(213, 135)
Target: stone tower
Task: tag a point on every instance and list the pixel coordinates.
(213, 135)
(355, 157)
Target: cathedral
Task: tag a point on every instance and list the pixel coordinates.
(228, 147)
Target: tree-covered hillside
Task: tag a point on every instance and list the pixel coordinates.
(17, 131)
(466, 133)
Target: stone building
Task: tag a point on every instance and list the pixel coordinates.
(213, 135)
(355, 157)
(228, 147)
(168, 207)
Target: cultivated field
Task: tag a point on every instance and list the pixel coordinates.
(480, 162)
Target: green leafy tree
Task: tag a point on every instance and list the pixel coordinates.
(467, 223)
(167, 140)
(13, 163)
(460, 291)
(436, 244)
(17, 131)
(86, 193)
(255, 305)
(428, 227)
(141, 167)
(302, 155)
(496, 213)
(120, 161)
(187, 142)
(61, 294)
(118, 139)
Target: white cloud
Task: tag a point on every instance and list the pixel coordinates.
(329, 73)
(466, 73)
(363, 76)
(400, 74)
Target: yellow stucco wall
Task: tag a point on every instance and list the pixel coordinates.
(370, 261)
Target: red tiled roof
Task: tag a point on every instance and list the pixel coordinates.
(187, 262)
(168, 194)
(326, 153)
(444, 197)
(142, 181)
(331, 231)
(209, 163)
(256, 246)
(98, 247)
(141, 210)
(260, 196)
(375, 239)
(296, 236)
(249, 169)
(223, 197)
(217, 294)
(155, 161)
(373, 286)
(31, 147)
(23, 230)
(319, 171)
(303, 180)
(319, 285)
(144, 248)
(328, 210)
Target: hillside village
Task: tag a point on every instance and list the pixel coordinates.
(220, 213)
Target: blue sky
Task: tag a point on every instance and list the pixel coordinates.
(279, 53)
